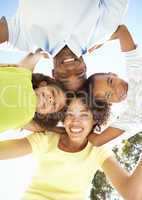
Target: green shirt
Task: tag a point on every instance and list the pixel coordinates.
(17, 98)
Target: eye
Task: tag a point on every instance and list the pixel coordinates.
(85, 115)
(63, 76)
(109, 81)
(69, 114)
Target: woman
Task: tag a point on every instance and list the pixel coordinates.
(24, 96)
(68, 162)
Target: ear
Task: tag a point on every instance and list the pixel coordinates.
(43, 83)
(53, 73)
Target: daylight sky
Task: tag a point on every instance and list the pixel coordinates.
(15, 174)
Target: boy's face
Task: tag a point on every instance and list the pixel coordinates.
(109, 87)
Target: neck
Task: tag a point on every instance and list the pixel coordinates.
(73, 145)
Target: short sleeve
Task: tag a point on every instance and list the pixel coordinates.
(103, 153)
(39, 143)
(111, 16)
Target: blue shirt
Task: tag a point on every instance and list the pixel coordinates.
(51, 25)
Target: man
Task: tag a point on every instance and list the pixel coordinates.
(64, 28)
(110, 87)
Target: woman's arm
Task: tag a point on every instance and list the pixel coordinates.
(107, 135)
(129, 186)
(14, 148)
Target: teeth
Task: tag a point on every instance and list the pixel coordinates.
(68, 60)
(76, 130)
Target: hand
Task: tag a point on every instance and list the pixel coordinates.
(32, 59)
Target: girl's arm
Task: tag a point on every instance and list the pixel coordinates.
(34, 127)
(29, 61)
(107, 135)
(14, 148)
(32, 59)
(129, 186)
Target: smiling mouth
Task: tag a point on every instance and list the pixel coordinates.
(123, 94)
(69, 60)
(76, 130)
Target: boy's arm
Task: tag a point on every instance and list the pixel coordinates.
(107, 135)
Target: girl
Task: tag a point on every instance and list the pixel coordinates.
(25, 96)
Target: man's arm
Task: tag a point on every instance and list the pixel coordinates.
(107, 135)
(129, 186)
(126, 41)
(3, 30)
(14, 148)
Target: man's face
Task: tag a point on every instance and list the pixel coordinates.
(69, 69)
(109, 87)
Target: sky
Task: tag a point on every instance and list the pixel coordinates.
(16, 174)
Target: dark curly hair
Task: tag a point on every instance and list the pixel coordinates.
(100, 108)
(50, 120)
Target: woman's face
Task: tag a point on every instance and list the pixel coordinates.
(50, 99)
(78, 121)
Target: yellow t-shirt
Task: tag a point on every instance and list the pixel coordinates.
(62, 175)
(17, 98)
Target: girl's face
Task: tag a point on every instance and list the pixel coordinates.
(78, 121)
(50, 99)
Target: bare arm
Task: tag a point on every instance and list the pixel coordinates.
(126, 41)
(129, 186)
(32, 59)
(3, 30)
(29, 61)
(34, 127)
(14, 148)
(107, 135)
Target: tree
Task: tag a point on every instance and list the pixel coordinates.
(128, 156)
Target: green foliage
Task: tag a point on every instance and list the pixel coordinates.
(128, 156)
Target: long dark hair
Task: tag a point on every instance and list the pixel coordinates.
(50, 120)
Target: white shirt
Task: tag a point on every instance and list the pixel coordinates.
(131, 120)
(51, 25)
